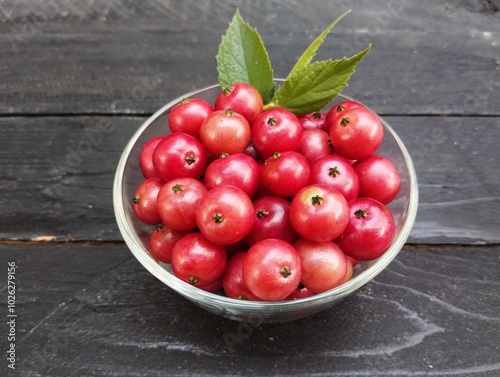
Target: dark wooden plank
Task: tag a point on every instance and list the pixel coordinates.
(126, 57)
(57, 176)
(454, 158)
(47, 273)
(433, 312)
(56, 184)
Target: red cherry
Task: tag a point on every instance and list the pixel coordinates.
(357, 133)
(271, 220)
(225, 215)
(285, 173)
(338, 109)
(272, 269)
(177, 202)
(238, 169)
(146, 157)
(179, 155)
(232, 280)
(324, 264)
(315, 143)
(144, 200)
(188, 115)
(319, 212)
(225, 131)
(314, 120)
(378, 178)
(198, 261)
(241, 98)
(276, 130)
(162, 242)
(370, 230)
(335, 171)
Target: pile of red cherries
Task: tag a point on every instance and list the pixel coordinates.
(262, 204)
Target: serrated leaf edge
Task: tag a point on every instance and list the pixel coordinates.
(311, 50)
(299, 75)
(267, 91)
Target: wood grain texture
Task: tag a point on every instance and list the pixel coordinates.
(126, 57)
(432, 312)
(57, 176)
(48, 273)
(65, 168)
(77, 79)
(454, 158)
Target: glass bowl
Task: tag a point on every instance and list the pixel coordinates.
(136, 234)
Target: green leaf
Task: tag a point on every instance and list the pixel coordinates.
(313, 86)
(242, 57)
(309, 54)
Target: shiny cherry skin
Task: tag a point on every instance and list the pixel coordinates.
(232, 280)
(315, 143)
(198, 261)
(272, 269)
(276, 130)
(319, 212)
(179, 155)
(300, 292)
(242, 98)
(337, 172)
(146, 157)
(357, 133)
(350, 270)
(188, 115)
(314, 120)
(144, 200)
(285, 173)
(162, 242)
(378, 178)
(250, 150)
(271, 220)
(225, 215)
(238, 169)
(324, 264)
(225, 131)
(212, 287)
(177, 202)
(370, 230)
(338, 109)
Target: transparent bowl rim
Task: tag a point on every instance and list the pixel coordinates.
(134, 244)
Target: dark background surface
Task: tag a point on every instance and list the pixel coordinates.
(95, 70)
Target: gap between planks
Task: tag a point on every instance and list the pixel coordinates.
(46, 240)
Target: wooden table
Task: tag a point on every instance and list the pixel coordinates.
(78, 78)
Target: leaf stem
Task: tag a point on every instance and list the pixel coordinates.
(271, 105)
